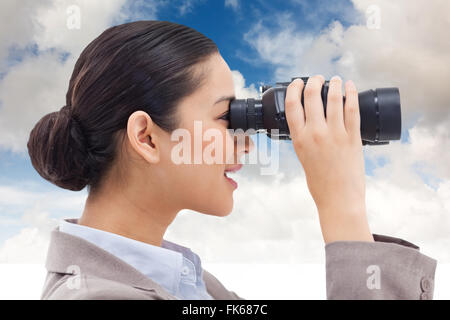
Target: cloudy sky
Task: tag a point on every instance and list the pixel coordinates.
(375, 43)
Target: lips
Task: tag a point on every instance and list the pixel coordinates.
(232, 170)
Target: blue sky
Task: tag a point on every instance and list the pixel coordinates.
(226, 26)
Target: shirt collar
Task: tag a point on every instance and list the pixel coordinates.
(167, 265)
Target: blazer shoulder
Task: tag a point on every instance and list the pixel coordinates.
(88, 287)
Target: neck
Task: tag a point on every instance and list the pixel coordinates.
(125, 213)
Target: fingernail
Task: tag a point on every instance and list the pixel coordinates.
(350, 84)
(336, 77)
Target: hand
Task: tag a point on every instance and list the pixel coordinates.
(330, 151)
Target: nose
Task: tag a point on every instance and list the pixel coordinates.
(250, 145)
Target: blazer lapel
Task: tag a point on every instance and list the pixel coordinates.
(66, 251)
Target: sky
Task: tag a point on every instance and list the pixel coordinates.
(404, 44)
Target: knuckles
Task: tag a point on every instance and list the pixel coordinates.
(319, 134)
(352, 108)
(289, 102)
(334, 97)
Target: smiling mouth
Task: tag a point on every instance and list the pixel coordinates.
(232, 170)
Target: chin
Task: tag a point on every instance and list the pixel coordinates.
(217, 203)
(222, 209)
(224, 213)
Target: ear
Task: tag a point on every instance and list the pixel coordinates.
(143, 137)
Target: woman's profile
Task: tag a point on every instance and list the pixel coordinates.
(131, 88)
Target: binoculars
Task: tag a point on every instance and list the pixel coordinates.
(379, 111)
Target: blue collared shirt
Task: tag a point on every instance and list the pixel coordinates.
(176, 268)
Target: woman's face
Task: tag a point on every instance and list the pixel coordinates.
(199, 182)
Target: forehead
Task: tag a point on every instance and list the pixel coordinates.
(218, 78)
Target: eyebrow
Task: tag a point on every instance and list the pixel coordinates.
(232, 97)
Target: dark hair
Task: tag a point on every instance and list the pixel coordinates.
(142, 65)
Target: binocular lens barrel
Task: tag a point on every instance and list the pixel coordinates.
(379, 111)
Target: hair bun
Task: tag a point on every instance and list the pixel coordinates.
(76, 130)
(66, 110)
(57, 149)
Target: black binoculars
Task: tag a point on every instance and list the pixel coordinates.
(379, 111)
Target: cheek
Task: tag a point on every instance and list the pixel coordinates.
(218, 192)
(200, 185)
(219, 147)
(213, 193)
(203, 188)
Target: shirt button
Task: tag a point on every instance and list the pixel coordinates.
(185, 270)
(426, 284)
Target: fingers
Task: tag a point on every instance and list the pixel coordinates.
(346, 118)
(335, 104)
(313, 101)
(295, 115)
(352, 118)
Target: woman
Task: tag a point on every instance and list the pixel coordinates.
(131, 88)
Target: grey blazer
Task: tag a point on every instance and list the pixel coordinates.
(389, 268)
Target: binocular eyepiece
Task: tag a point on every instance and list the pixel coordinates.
(379, 111)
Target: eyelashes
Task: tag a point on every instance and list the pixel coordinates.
(225, 116)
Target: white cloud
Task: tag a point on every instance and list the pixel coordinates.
(241, 91)
(410, 51)
(18, 25)
(29, 246)
(234, 4)
(95, 17)
(37, 85)
(45, 23)
(15, 196)
(37, 209)
(279, 47)
(31, 89)
(54, 200)
(187, 6)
